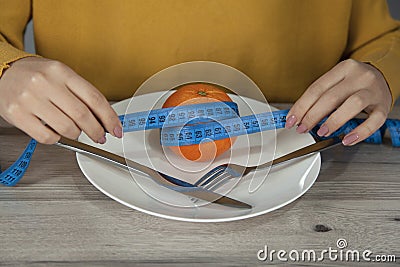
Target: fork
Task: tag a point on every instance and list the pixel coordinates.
(221, 174)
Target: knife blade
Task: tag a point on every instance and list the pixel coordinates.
(174, 184)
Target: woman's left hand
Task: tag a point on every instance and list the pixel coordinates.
(346, 90)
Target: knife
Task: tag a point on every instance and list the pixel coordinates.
(174, 183)
(304, 151)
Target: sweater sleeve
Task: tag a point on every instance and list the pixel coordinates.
(14, 16)
(374, 37)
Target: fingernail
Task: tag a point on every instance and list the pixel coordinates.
(323, 130)
(118, 131)
(301, 129)
(290, 121)
(102, 140)
(349, 139)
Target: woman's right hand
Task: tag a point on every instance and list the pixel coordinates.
(36, 91)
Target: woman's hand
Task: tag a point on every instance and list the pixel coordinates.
(35, 91)
(346, 90)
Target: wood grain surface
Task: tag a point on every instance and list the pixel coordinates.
(55, 217)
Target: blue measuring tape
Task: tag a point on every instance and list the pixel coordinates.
(187, 125)
(14, 173)
(177, 116)
(216, 130)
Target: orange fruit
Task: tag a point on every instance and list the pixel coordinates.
(196, 93)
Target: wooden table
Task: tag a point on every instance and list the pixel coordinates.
(55, 217)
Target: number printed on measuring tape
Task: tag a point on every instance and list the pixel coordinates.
(216, 130)
(175, 116)
(14, 173)
(192, 124)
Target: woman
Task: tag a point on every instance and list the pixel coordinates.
(328, 56)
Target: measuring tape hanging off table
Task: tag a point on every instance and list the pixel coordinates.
(215, 120)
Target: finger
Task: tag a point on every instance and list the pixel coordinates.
(327, 103)
(97, 103)
(375, 120)
(80, 114)
(57, 120)
(32, 126)
(348, 110)
(313, 93)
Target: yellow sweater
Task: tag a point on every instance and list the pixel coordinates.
(283, 45)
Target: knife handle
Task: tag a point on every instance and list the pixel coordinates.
(109, 157)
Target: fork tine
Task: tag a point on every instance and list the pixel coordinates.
(210, 175)
(209, 178)
(221, 178)
(216, 178)
(214, 175)
(218, 182)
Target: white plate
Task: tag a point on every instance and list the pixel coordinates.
(283, 184)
